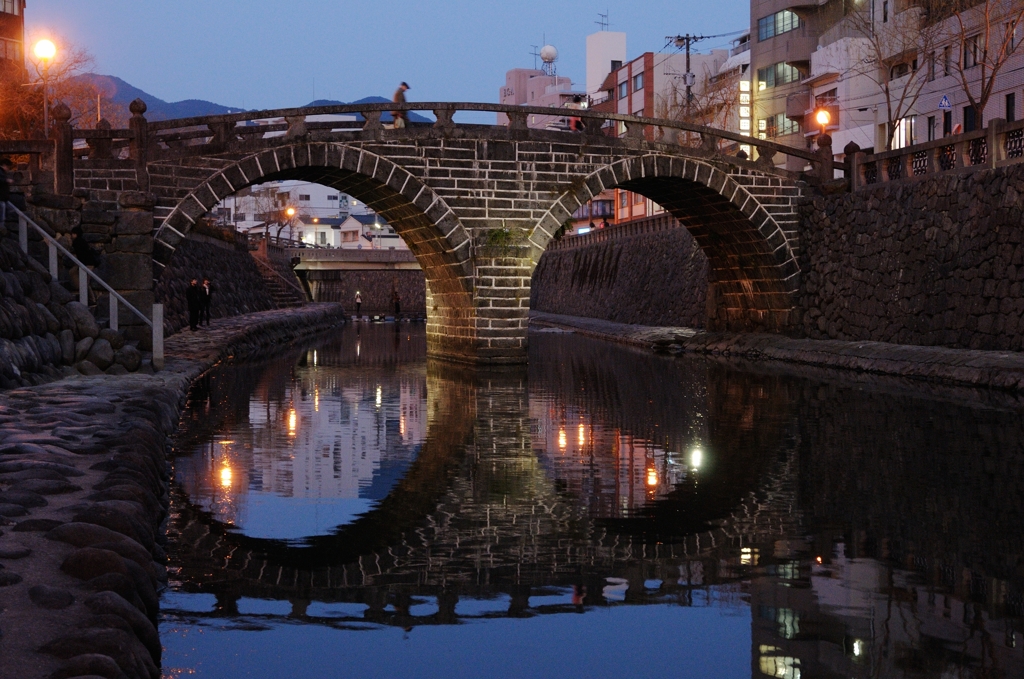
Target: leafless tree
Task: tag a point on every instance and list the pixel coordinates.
(986, 34)
(712, 102)
(896, 47)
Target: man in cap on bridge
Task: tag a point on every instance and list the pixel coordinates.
(400, 117)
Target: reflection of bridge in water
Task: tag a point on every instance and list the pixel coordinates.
(481, 512)
(857, 523)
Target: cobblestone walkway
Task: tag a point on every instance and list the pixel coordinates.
(83, 494)
(997, 369)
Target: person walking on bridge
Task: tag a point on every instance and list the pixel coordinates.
(400, 117)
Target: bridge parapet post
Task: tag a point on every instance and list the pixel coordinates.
(100, 148)
(635, 130)
(372, 123)
(444, 121)
(765, 158)
(64, 158)
(139, 148)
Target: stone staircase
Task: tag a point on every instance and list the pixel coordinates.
(283, 285)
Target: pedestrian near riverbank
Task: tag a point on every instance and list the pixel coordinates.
(194, 299)
(207, 299)
(359, 302)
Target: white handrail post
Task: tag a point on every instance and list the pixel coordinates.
(53, 259)
(158, 337)
(83, 285)
(23, 233)
(113, 312)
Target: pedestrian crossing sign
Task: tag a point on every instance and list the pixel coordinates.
(944, 104)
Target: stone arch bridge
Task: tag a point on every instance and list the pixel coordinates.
(477, 204)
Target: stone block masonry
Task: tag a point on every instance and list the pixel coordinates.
(933, 262)
(238, 286)
(649, 274)
(84, 496)
(375, 288)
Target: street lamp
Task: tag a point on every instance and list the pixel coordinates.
(45, 51)
(823, 118)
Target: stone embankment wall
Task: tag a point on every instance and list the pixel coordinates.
(932, 262)
(653, 274)
(84, 497)
(375, 287)
(44, 330)
(239, 287)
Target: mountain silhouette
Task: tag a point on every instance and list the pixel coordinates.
(118, 91)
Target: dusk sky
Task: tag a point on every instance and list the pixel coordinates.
(261, 54)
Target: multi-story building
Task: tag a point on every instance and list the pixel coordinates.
(653, 85)
(12, 40)
(783, 36)
(258, 207)
(533, 87)
(921, 55)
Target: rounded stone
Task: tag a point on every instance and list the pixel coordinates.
(129, 357)
(8, 578)
(101, 354)
(89, 665)
(88, 563)
(22, 497)
(117, 369)
(67, 345)
(53, 598)
(115, 338)
(14, 552)
(12, 510)
(88, 368)
(82, 348)
(85, 324)
(46, 486)
(36, 525)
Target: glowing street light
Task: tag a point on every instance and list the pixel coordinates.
(45, 51)
(823, 118)
(290, 212)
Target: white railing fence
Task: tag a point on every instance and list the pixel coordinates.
(156, 324)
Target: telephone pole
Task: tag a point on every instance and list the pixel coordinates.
(689, 79)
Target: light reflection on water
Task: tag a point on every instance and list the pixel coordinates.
(350, 510)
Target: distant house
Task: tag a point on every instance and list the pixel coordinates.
(369, 231)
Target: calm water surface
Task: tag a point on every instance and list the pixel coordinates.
(349, 509)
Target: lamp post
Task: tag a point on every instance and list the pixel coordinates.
(823, 118)
(45, 51)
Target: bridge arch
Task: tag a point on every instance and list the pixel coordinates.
(731, 213)
(422, 218)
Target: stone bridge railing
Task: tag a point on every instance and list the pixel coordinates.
(1000, 144)
(145, 142)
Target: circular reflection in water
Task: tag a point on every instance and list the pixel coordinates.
(324, 434)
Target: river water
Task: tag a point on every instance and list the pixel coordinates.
(347, 508)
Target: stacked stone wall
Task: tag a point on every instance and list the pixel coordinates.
(239, 287)
(44, 330)
(932, 262)
(655, 278)
(374, 286)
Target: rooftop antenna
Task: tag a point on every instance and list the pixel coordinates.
(603, 22)
(535, 54)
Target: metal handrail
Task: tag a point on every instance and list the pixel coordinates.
(268, 265)
(84, 274)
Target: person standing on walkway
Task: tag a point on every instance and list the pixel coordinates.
(207, 298)
(194, 298)
(400, 117)
(5, 186)
(359, 302)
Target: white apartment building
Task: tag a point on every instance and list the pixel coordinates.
(265, 206)
(896, 43)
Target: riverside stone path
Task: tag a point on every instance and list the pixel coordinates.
(83, 495)
(955, 367)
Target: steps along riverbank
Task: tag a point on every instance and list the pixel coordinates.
(83, 499)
